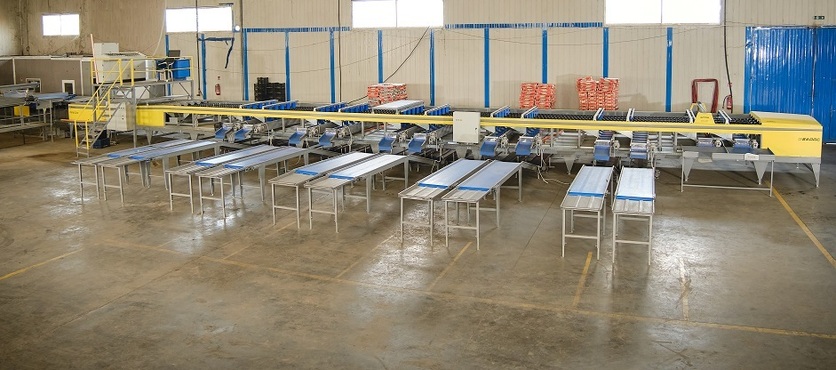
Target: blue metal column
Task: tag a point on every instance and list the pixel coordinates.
(287, 65)
(545, 78)
(245, 64)
(167, 49)
(380, 55)
(669, 71)
(605, 68)
(487, 67)
(432, 67)
(333, 76)
(203, 65)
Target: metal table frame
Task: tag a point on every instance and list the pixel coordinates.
(760, 159)
(302, 175)
(635, 200)
(427, 191)
(235, 169)
(471, 192)
(579, 199)
(187, 170)
(336, 181)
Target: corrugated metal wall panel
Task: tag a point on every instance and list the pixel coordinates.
(459, 67)
(637, 58)
(414, 71)
(516, 57)
(697, 53)
(780, 66)
(503, 11)
(824, 89)
(359, 66)
(294, 13)
(573, 53)
(310, 67)
(265, 55)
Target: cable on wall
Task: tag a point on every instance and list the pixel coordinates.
(726, 56)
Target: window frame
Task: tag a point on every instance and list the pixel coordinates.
(60, 17)
(661, 16)
(199, 24)
(395, 11)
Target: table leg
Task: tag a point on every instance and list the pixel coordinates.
(446, 227)
(273, 202)
(477, 225)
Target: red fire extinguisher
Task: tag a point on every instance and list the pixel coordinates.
(218, 87)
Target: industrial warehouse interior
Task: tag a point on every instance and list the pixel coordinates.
(417, 184)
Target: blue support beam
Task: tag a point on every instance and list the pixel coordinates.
(669, 71)
(287, 65)
(246, 66)
(380, 56)
(605, 68)
(333, 76)
(432, 67)
(203, 65)
(487, 67)
(545, 78)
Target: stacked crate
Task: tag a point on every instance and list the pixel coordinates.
(535, 94)
(266, 90)
(594, 94)
(385, 93)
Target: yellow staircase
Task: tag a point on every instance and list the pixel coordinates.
(90, 120)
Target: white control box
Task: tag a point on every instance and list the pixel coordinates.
(466, 126)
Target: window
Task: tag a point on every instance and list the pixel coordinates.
(397, 13)
(663, 11)
(208, 19)
(61, 25)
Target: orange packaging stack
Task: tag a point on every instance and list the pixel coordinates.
(535, 94)
(385, 93)
(594, 94)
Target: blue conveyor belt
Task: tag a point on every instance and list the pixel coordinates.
(297, 137)
(490, 176)
(416, 144)
(385, 144)
(278, 152)
(636, 184)
(330, 164)
(234, 156)
(524, 146)
(447, 176)
(326, 140)
(241, 134)
(591, 182)
(366, 167)
(191, 147)
(488, 148)
(221, 133)
(132, 151)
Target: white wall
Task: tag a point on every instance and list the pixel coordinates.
(637, 55)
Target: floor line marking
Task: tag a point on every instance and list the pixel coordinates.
(449, 266)
(39, 264)
(804, 228)
(249, 245)
(347, 269)
(534, 306)
(685, 283)
(582, 282)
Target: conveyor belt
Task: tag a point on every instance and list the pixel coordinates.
(385, 144)
(260, 159)
(327, 139)
(364, 168)
(524, 145)
(297, 136)
(241, 134)
(133, 151)
(450, 175)
(186, 148)
(488, 147)
(636, 184)
(489, 176)
(236, 155)
(591, 182)
(222, 132)
(635, 197)
(321, 167)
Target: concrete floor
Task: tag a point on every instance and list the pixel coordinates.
(734, 282)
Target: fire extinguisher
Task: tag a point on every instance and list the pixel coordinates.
(218, 87)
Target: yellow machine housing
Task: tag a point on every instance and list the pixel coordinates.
(802, 139)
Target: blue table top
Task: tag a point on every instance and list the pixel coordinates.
(157, 153)
(320, 167)
(236, 155)
(490, 176)
(272, 155)
(132, 151)
(636, 184)
(447, 176)
(591, 182)
(366, 167)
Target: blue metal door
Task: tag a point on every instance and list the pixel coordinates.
(791, 70)
(824, 82)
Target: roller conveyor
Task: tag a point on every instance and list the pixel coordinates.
(586, 195)
(635, 200)
(235, 168)
(188, 169)
(433, 186)
(476, 187)
(336, 181)
(298, 177)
